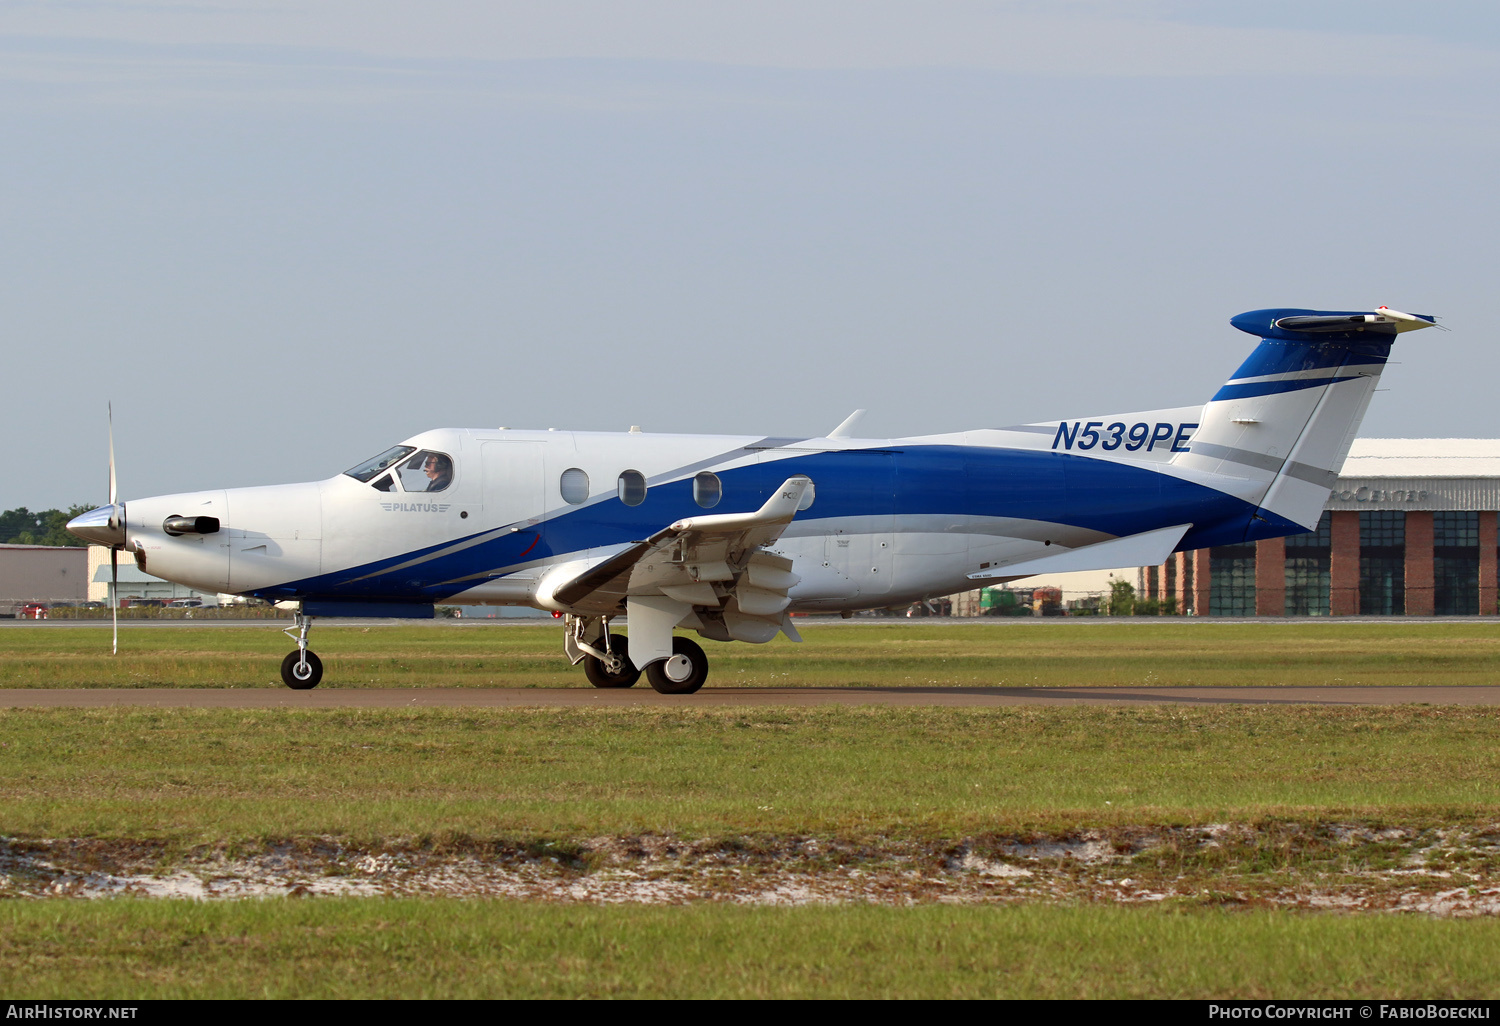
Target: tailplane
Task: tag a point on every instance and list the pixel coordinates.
(1288, 415)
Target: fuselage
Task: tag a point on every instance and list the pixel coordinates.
(890, 520)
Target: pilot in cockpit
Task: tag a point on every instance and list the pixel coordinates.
(439, 471)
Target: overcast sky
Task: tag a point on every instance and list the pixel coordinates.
(282, 236)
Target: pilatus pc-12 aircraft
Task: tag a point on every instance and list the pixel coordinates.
(727, 536)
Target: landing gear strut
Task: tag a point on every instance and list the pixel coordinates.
(599, 672)
(605, 656)
(301, 670)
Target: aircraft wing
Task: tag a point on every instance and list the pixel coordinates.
(701, 561)
(1146, 549)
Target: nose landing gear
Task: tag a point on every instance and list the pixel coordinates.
(301, 670)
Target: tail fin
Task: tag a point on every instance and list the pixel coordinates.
(1289, 414)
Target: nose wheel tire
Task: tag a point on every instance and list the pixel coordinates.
(598, 674)
(683, 673)
(299, 677)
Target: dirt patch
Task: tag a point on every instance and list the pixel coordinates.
(1342, 867)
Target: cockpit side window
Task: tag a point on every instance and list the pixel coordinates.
(384, 484)
(369, 468)
(427, 471)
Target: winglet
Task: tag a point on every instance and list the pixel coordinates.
(778, 509)
(845, 429)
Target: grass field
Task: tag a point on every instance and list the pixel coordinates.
(200, 775)
(486, 949)
(990, 653)
(870, 783)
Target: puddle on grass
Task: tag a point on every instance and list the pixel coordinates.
(1447, 871)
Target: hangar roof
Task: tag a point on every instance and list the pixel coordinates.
(1423, 457)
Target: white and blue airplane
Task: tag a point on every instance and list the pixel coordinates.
(728, 535)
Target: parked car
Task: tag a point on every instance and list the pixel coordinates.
(33, 611)
(186, 603)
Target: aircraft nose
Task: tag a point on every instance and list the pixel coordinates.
(102, 526)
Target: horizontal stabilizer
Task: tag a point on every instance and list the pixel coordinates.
(1149, 548)
(1294, 325)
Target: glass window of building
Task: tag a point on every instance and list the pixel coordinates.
(1455, 529)
(1307, 559)
(1382, 529)
(1382, 585)
(1382, 562)
(1455, 563)
(1231, 580)
(1320, 537)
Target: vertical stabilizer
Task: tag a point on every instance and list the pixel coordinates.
(1288, 415)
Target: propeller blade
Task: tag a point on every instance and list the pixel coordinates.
(112, 490)
(114, 584)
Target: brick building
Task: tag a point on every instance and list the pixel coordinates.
(1410, 529)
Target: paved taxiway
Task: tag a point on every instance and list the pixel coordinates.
(711, 697)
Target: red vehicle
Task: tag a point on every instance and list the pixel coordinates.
(33, 611)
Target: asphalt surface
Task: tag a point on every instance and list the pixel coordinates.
(711, 697)
(975, 622)
(814, 622)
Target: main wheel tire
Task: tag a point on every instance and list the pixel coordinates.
(298, 677)
(600, 677)
(688, 665)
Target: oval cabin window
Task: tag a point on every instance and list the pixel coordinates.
(706, 490)
(632, 487)
(575, 486)
(808, 496)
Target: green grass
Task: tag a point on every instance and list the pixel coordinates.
(178, 779)
(991, 653)
(406, 948)
(205, 775)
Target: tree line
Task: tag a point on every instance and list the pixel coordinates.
(21, 526)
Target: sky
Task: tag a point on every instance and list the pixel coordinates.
(281, 236)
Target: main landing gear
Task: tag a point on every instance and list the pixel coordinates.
(606, 660)
(683, 673)
(615, 670)
(301, 670)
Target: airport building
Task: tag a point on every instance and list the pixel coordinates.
(41, 573)
(134, 582)
(1410, 530)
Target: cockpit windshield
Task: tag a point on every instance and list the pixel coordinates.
(369, 468)
(424, 471)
